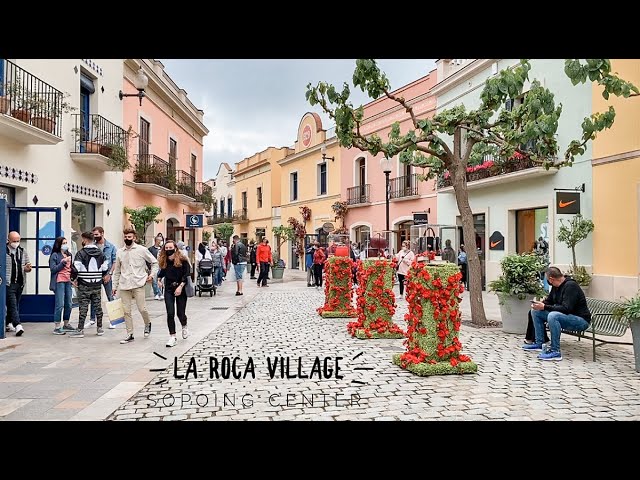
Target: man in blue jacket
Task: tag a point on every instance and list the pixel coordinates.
(109, 250)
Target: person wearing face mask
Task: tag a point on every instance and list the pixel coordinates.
(89, 269)
(155, 250)
(18, 265)
(174, 270)
(109, 251)
(405, 258)
(60, 284)
(129, 278)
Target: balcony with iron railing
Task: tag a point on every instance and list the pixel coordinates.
(358, 195)
(403, 187)
(203, 196)
(240, 216)
(496, 171)
(185, 187)
(218, 218)
(154, 175)
(99, 143)
(30, 109)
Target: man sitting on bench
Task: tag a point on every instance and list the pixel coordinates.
(564, 308)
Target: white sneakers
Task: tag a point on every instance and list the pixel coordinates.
(111, 326)
(172, 341)
(19, 330)
(185, 332)
(159, 297)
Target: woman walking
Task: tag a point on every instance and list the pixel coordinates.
(405, 258)
(60, 284)
(174, 270)
(218, 261)
(265, 258)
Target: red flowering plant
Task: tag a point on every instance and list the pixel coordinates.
(338, 283)
(433, 348)
(300, 232)
(375, 301)
(306, 213)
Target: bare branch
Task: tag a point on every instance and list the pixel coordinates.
(402, 102)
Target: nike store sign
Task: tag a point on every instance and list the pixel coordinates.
(567, 203)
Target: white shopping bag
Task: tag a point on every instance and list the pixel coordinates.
(115, 311)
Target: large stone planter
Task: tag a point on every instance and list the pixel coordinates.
(277, 273)
(585, 290)
(514, 313)
(634, 324)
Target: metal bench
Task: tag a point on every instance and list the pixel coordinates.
(602, 323)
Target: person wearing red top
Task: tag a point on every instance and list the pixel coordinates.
(264, 259)
(60, 284)
(318, 260)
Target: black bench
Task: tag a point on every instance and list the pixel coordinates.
(602, 324)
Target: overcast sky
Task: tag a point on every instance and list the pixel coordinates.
(250, 105)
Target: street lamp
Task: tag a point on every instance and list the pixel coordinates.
(140, 81)
(385, 163)
(323, 150)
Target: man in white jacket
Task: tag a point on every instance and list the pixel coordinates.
(129, 278)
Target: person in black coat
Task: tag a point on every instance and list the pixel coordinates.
(252, 259)
(173, 274)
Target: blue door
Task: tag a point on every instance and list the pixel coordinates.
(3, 268)
(38, 228)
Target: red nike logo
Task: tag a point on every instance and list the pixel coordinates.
(562, 204)
(495, 244)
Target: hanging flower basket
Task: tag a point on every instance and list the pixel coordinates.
(338, 285)
(376, 301)
(433, 348)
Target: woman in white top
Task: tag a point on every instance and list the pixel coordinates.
(405, 258)
(202, 253)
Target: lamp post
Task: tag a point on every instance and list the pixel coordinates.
(140, 81)
(385, 163)
(323, 151)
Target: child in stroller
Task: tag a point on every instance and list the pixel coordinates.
(205, 281)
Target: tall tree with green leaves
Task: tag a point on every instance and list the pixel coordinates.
(435, 144)
(224, 231)
(141, 218)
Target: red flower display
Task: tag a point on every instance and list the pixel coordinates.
(433, 348)
(376, 301)
(338, 285)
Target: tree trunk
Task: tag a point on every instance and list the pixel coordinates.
(459, 182)
(573, 252)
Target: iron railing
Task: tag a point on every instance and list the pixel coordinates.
(406, 186)
(359, 194)
(30, 99)
(491, 167)
(218, 218)
(185, 184)
(204, 194)
(95, 134)
(240, 216)
(152, 169)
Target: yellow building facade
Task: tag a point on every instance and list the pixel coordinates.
(310, 176)
(616, 193)
(257, 187)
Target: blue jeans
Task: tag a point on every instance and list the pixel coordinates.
(557, 321)
(108, 288)
(63, 302)
(156, 288)
(218, 276)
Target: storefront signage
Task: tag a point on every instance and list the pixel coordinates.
(195, 221)
(567, 203)
(420, 218)
(496, 241)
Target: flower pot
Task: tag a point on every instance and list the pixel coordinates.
(634, 324)
(43, 123)
(91, 147)
(22, 115)
(4, 104)
(585, 289)
(514, 313)
(106, 151)
(277, 273)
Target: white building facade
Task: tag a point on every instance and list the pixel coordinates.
(54, 177)
(520, 205)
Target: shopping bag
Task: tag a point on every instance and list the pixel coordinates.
(115, 311)
(189, 288)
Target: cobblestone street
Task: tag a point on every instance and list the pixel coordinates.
(511, 384)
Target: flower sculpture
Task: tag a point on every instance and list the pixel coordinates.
(376, 301)
(337, 288)
(433, 348)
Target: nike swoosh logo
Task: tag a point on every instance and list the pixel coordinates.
(565, 204)
(495, 244)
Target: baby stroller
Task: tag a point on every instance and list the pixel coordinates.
(205, 278)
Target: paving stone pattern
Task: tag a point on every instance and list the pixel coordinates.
(511, 384)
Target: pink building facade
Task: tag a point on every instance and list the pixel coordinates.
(166, 157)
(363, 181)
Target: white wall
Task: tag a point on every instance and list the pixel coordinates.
(52, 163)
(498, 201)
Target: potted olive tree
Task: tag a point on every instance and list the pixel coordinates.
(47, 109)
(282, 234)
(571, 235)
(629, 312)
(516, 287)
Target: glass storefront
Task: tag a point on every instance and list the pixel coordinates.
(530, 225)
(83, 218)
